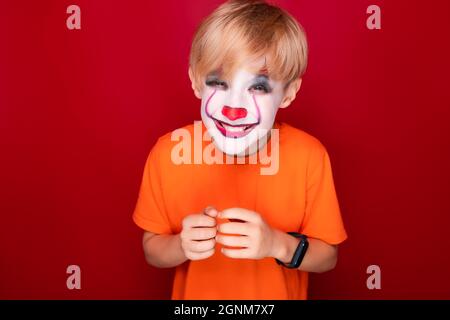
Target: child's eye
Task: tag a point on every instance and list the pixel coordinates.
(217, 84)
(260, 88)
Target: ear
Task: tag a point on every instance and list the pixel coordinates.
(291, 92)
(193, 84)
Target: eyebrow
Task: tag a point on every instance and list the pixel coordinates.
(215, 73)
(261, 77)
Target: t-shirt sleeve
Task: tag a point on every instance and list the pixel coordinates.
(150, 213)
(323, 218)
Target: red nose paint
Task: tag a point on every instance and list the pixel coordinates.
(234, 113)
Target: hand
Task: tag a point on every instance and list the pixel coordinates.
(254, 234)
(197, 234)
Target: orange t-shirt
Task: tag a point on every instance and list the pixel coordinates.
(299, 197)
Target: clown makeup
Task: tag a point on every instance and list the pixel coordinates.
(239, 113)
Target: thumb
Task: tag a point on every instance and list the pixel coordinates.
(211, 211)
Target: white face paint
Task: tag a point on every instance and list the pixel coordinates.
(239, 114)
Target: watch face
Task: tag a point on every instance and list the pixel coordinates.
(299, 252)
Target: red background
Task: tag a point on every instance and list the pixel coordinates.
(80, 110)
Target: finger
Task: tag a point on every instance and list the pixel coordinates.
(199, 255)
(199, 220)
(233, 241)
(202, 233)
(201, 246)
(211, 211)
(236, 253)
(234, 228)
(239, 213)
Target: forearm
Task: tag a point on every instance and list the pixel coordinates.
(320, 256)
(164, 251)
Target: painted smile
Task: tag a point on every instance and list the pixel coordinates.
(234, 131)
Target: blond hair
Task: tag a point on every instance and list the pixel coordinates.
(239, 30)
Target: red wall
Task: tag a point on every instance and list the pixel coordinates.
(80, 110)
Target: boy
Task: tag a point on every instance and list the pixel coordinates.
(224, 225)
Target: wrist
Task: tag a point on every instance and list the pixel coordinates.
(284, 246)
(182, 256)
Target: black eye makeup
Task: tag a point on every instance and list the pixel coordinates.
(261, 85)
(215, 82)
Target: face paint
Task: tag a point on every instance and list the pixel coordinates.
(239, 114)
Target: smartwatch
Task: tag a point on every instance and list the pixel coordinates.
(299, 253)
